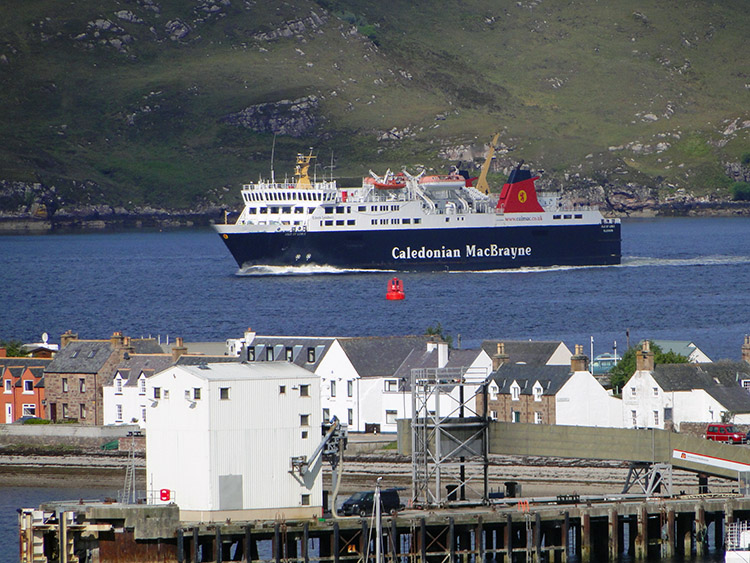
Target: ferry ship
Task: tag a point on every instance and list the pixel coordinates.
(415, 222)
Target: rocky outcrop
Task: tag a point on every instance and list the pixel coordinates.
(295, 118)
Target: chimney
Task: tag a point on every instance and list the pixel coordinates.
(67, 338)
(249, 336)
(579, 361)
(746, 349)
(3, 353)
(644, 358)
(442, 348)
(117, 339)
(500, 357)
(431, 344)
(178, 350)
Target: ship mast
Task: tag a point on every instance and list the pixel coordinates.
(300, 171)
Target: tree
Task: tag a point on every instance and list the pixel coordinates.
(625, 368)
(437, 330)
(13, 348)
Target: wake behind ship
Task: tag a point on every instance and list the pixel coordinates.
(405, 222)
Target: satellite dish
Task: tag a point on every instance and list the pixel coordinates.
(45, 337)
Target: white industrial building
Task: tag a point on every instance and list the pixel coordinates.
(221, 438)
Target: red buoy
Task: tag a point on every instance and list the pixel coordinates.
(395, 289)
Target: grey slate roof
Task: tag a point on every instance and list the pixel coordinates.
(279, 344)
(198, 359)
(146, 346)
(551, 378)
(22, 362)
(81, 356)
(378, 356)
(734, 399)
(683, 377)
(530, 352)
(130, 368)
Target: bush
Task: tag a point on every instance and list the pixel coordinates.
(745, 158)
(38, 421)
(741, 191)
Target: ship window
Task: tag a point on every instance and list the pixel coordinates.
(567, 216)
(274, 210)
(252, 210)
(350, 221)
(340, 210)
(417, 221)
(298, 210)
(406, 221)
(310, 209)
(578, 216)
(384, 221)
(263, 209)
(555, 216)
(383, 208)
(447, 219)
(394, 207)
(329, 223)
(373, 208)
(374, 221)
(362, 208)
(328, 209)
(394, 221)
(340, 222)
(287, 209)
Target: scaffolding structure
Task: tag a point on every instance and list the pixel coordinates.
(447, 429)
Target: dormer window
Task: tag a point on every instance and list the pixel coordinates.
(538, 391)
(251, 354)
(311, 355)
(515, 391)
(269, 353)
(493, 391)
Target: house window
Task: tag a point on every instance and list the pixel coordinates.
(326, 415)
(349, 388)
(166, 393)
(493, 391)
(390, 417)
(269, 354)
(667, 413)
(656, 418)
(157, 392)
(28, 410)
(304, 420)
(493, 415)
(224, 393)
(282, 389)
(196, 393)
(632, 391)
(311, 355)
(538, 393)
(349, 417)
(634, 415)
(119, 413)
(65, 410)
(746, 384)
(515, 392)
(515, 416)
(28, 386)
(304, 390)
(537, 418)
(83, 411)
(305, 500)
(288, 354)
(656, 391)
(143, 413)
(304, 434)
(333, 388)
(391, 385)
(118, 386)
(251, 354)
(142, 386)
(82, 385)
(8, 386)
(65, 384)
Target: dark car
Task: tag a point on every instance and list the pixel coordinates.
(362, 503)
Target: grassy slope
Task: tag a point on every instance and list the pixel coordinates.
(561, 80)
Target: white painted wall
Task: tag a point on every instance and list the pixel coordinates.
(132, 401)
(336, 367)
(582, 401)
(192, 444)
(561, 356)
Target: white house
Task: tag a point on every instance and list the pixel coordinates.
(685, 348)
(530, 352)
(221, 439)
(668, 394)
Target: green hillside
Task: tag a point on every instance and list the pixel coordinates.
(138, 102)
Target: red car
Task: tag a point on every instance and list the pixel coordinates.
(724, 433)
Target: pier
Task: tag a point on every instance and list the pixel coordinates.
(529, 530)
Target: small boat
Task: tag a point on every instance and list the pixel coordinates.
(390, 181)
(604, 363)
(737, 548)
(444, 182)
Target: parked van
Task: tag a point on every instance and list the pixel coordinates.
(362, 503)
(724, 433)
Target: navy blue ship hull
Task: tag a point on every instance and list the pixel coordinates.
(433, 249)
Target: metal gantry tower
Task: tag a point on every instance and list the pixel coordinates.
(446, 430)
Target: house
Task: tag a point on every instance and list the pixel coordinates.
(684, 348)
(550, 394)
(22, 388)
(75, 376)
(531, 352)
(352, 371)
(665, 395)
(222, 437)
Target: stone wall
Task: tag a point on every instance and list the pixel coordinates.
(73, 435)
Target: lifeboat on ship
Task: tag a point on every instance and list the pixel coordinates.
(391, 182)
(442, 182)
